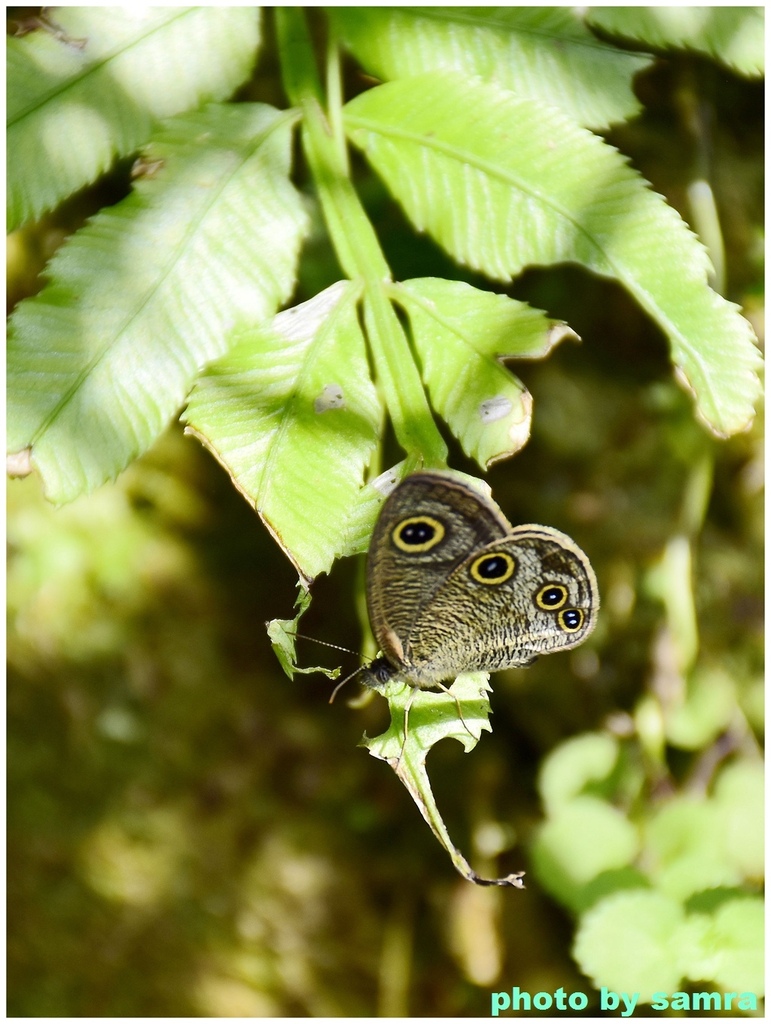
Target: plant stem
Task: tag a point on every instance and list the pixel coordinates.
(357, 248)
(335, 101)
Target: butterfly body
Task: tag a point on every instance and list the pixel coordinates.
(452, 587)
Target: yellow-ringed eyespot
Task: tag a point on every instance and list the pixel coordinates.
(571, 619)
(551, 597)
(494, 567)
(418, 533)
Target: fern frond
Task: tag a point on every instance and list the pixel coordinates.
(503, 183)
(292, 414)
(143, 296)
(734, 36)
(92, 87)
(462, 336)
(540, 53)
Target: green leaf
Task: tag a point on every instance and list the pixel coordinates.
(726, 947)
(142, 297)
(630, 942)
(364, 513)
(670, 580)
(642, 942)
(540, 53)
(419, 720)
(92, 86)
(574, 763)
(283, 639)
(732, 35)
(462, 335)
(740, 797)
(360, 256)
(293, 416)
(706, 709)
(485, 174)
(685, 850)
(580, 841)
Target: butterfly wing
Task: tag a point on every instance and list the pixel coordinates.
(532, 592)
(426, 529)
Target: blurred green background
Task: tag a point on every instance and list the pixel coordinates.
(190, 833)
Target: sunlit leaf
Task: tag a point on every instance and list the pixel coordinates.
(419, 720)
(93, 82)
(570, 766)
(582, 839)
(705, 711)
(462, 336)
(503, 183)
(685, 849)
(630, 942)
(292, 414)
(732, 35)
(143, 296)
(727, 946)
(739, 796)
(542, 53)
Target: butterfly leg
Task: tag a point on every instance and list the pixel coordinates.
(448, 691)
(407, 707)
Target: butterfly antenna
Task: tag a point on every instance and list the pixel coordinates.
(324, 643)
(347, 679)
(335, 647)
